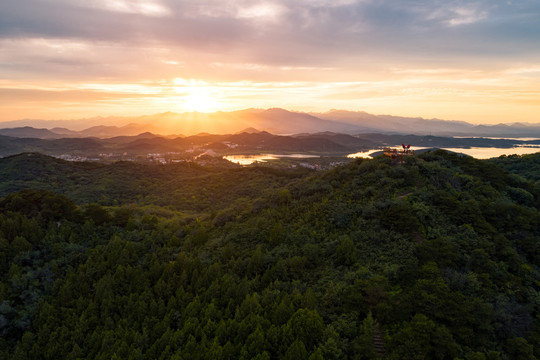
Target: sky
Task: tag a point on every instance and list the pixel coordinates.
(477, 61)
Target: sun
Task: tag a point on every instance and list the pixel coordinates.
(201, 99)
(197, 95)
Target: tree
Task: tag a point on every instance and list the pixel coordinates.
(346, 252)
(519, 349)
(297, 351)
(97, 214)
(255, 263)
(364, 344)
(307, 326)
(422, 339)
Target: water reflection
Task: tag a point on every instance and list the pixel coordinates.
(368, 154)
(476, 152)
(487, 153)
(250, 159)
(362, 154)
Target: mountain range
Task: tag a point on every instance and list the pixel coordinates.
(275, 121)
(328, 143)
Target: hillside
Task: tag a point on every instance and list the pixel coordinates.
(436, 258)
(325, 143)
(186, 186)
(527, 166)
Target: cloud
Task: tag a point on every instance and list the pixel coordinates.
(269, 10)
(69, 43)
(144, 7)
(280, 31)
(466, 15)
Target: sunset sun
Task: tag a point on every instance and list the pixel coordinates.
(199, 100)
(196, 95)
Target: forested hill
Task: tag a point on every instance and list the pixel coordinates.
(183, 186)
(436, 258)
(527, 166)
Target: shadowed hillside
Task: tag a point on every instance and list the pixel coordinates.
(435, 258)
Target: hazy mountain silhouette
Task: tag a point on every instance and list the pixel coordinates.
(29, 132)
(249, 130)
(420, 126)
(103, 131)
(275, 121)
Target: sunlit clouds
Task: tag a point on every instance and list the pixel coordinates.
(475, 61)
(143, 7)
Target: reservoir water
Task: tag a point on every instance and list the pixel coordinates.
(487, 153)
(250, 159)
(476, 152)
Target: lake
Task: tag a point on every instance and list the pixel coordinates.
(476, 152)
(250, 159)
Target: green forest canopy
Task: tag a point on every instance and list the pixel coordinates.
(437, 258)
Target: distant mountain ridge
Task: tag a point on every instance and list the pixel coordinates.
(98, 131)
(29, 132)
(275, 121)
(255, 142)
(421, 126)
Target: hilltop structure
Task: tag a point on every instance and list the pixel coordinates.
(399, 154)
